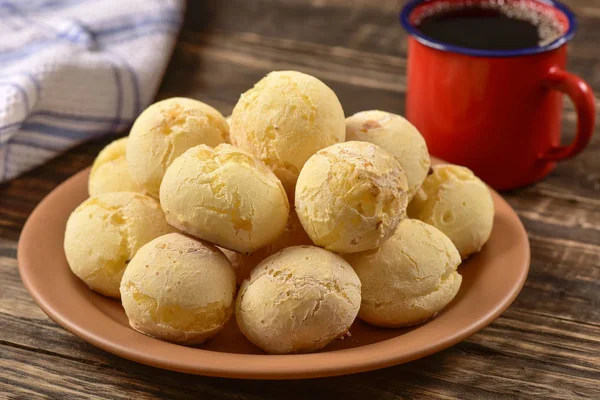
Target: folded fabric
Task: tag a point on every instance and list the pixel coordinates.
(71, 70)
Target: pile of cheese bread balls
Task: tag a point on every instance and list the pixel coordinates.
(287, 214)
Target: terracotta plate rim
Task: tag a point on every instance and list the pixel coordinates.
(251, 366)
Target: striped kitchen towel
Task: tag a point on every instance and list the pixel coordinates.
(71, 70)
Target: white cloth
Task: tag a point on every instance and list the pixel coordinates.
(71, 70)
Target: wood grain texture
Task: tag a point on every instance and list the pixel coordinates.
(546, 345)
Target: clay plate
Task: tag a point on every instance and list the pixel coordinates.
(491, 281)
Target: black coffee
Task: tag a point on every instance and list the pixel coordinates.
(490, 26)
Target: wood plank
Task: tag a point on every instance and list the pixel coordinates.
(330, 25)
(373, 28)
(563, 280)
(541, 366)
(49, 375)
(64, 376)
(232, 71)
(331, 64)
(543, 216)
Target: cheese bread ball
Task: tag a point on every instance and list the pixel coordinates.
(178, 289)
(226, 196)
(164, 131)
(286, 118)
(293, 235)
(459, 204)
(350, 197)
(410, 278)
(298, 300)
(396, 135)
(110, 172)
(104, 233)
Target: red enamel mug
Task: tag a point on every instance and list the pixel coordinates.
(496, 112)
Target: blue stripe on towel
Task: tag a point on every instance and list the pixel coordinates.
(169, 21)
(50, 129)
(78, 117)
(119, 87)
(11, 125)
(37, 143)
(134, 83)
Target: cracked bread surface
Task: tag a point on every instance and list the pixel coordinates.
(410, 278)
(104, 233)
(396, 135)
(164, 131)
(457, 203)
(298, 300)
(110, 172)
(178, 289)
(351, 196)
(284, 119)
(226, 196)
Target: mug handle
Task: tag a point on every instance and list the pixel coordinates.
(582, 97)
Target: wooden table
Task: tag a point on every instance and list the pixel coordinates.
(546, 345)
